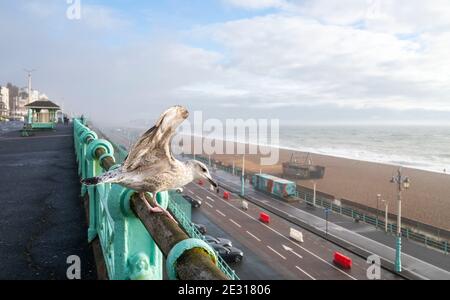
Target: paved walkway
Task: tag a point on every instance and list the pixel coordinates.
(422, 261)
(42, 219)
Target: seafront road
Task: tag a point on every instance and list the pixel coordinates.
(420, 261)
(269, 246)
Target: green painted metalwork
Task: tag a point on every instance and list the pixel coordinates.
(128, 250)
(192, 231)
(178, 250)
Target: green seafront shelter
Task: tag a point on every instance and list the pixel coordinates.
(42, 114)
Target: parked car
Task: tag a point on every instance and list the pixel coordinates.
(229, 254)
(200, 227)
(194, 202)
(217, 241)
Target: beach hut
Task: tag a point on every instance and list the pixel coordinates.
(42, 114)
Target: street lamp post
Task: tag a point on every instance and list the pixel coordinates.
(243, 177)
(314, 193)
(327, 211)
(402, 182)
(378, 211)
(385, 215)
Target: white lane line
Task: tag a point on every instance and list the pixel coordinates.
(276, 252)
(220, 213)
(199, 198)
(333, 266)
(191, 192)
(273, 230)
(289, 249)
(254, 236)
(208, 204)
(232, 221)
(209, 198)
(304, 272)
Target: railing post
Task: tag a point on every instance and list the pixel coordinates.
(93, 169)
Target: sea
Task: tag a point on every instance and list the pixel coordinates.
(422, 147)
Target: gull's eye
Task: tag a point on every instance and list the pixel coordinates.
(203, 169)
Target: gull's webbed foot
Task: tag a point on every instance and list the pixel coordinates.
(154, 207)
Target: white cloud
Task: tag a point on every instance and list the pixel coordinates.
(318, 56)
(305, 54)
(101, 17)
(258, 4)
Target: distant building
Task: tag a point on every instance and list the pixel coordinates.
(13, 100)
(4, 102)
(34, 96)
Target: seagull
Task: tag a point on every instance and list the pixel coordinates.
(150, 165)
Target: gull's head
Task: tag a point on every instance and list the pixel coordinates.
(200, 171)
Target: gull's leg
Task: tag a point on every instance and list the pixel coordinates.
(154, 206)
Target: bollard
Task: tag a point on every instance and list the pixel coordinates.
(263, 217)
(342, 260)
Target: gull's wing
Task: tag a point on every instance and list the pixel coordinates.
(153, 147)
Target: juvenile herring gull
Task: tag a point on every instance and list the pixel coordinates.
(151, 166)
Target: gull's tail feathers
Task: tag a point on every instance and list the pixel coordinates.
(108, 177)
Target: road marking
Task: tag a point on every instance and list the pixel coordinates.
(276, 252)
(361, 237)
(291, 250)
(199, 198)
(306, 250)
(191, 192)
(254, 236)
(304, 272)
(232, 221)
(333, 266)
(208, 204)
(220, 213)
(209, 198)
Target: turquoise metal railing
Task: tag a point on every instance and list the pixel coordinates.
(128, 249)
(192, 231)
(441, 245)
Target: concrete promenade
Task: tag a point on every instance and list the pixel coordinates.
(42, 219)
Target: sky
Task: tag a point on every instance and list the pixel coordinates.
(300, 61)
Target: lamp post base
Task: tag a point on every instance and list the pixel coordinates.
(398, 251)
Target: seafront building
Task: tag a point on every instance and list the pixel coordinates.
(13, 101)
(4, 102)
